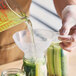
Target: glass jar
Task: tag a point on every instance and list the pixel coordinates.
(35, 67)
(13, 72)
(57, 59)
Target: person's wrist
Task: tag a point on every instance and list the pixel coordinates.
(69, 15)
(69, 9)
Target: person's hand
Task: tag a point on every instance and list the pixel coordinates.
(68, 29)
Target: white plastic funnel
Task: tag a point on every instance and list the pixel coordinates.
(42, 40)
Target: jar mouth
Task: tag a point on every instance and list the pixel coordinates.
(11, 71)
(32, 60)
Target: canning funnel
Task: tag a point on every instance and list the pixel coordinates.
(42, 40)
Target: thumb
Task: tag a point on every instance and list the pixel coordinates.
(66, 26)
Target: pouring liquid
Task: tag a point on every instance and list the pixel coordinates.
(29, 64)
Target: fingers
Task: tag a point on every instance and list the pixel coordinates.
(68, 46)
(64, 30)
(68, 23)
(68, 42)
(66, 38)
(69, 38)
(63, 46)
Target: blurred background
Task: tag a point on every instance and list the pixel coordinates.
(43, 15)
